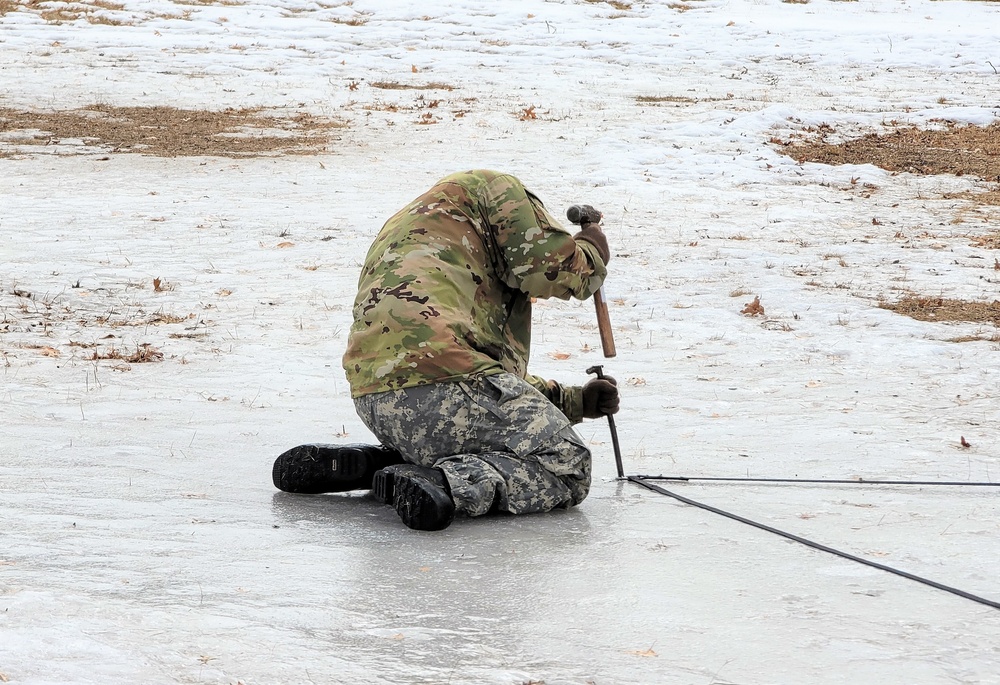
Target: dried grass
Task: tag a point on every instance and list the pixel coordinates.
(144, 353)
(656, 99)
(353, 21)
(991, 241)
(953, 149)
(395, 85)
(206, 3)
(173, 132)
(942, 309)
(614, 3)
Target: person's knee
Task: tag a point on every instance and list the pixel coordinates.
(577, 465)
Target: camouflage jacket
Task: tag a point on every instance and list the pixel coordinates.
(446, 288)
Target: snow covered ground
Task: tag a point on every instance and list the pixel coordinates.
(141, 540)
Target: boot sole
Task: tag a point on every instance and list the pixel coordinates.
(420, 504)
(315, 469)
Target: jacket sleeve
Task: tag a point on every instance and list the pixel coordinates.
(542, 258)
(568, 398)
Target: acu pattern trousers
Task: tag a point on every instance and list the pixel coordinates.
(502, 445)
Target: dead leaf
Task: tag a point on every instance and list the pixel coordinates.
(807, 516)
(424, 569)
(753, 308)
(560, 355)
(643, 652)
(414, 69)
(964, 442)
(285, 244)
(398, 636)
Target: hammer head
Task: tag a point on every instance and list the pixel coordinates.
(583, 214)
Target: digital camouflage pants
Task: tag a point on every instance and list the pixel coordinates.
(502, 445)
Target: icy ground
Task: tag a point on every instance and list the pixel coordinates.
(141, 540)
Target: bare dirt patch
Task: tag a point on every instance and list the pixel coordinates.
(955, 150)
(942, 309)
(952, 149)
(169, 131)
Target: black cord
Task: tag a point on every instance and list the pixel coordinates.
(815, 545)
(856, 481)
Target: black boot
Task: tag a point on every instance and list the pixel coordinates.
(419, 494)
(312, 469)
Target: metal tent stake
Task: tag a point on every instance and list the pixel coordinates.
(599, 370)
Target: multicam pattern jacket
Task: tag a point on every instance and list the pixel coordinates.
(446, 288)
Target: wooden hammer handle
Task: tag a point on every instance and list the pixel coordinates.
(604, 324)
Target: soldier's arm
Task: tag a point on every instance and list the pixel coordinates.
(568, 398)
(542, 258)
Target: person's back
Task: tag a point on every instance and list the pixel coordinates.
(446, 286)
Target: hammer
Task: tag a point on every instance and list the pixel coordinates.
(580, 215)
(585, 214)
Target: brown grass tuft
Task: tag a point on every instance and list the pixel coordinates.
(226, 3)
(614, 3)
(942, 309)
(990, 241)
(144, 353)
(353, 21)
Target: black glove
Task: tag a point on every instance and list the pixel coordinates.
(600, 397)
(593, 234)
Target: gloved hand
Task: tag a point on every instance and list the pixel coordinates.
(593, 234)
(600, 397)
